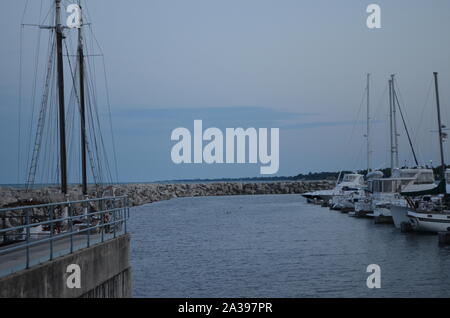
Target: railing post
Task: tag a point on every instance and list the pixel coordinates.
(69, 213)
(51, 231)
(88, 220)
(114, 221)
(27, 222)
(4, 227)
(102, 219)
(125, 200)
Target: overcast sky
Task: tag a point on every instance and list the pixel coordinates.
(297, 65)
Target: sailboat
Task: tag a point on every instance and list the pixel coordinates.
(92, 155)
(348, 201)
(384, 193)
(351, 184)
(430, 210)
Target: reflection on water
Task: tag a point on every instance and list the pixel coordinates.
(276, 246)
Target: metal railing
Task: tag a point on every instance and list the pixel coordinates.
(65, 227)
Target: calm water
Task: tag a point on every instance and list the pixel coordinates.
(276, 246)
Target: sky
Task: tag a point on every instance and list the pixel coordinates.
(299, 66)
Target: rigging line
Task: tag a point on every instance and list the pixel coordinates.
(95, 169)
(354, 122)
(19, 110)
(50, 10)
(53, 138)
(406, 129)
(108, 105)
(87, 144)
(102, 153)
(89, 150)
(358, 158)
(357, 114)
(402, 100)
(74, 94)
(94, 135)
(92, 65)
(33, 94)
(24, 11)
(94, 104)
(46, 129)
(405, 119)
(380, 103)
(430, 86)
(41, 119)
(70, 121)
(93, 132)
(45, 171)
(110, 121)
(53, 168)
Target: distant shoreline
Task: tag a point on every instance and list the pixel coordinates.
(317, 176)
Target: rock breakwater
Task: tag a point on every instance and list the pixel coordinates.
(139, 194)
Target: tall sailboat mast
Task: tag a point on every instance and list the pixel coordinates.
(441, 136)
(82, 110)
(391, 126)
(394, 120)
(368, 125)
(62, 121)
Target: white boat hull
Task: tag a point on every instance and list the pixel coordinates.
(382, 211)
(399, 215)
(433, 222)
(363, 207)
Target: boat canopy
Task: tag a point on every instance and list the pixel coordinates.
(353, 178)
(439, 189)
(388, 185)
(420, 174)
(374, 174)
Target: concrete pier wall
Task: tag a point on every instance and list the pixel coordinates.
(105, 272)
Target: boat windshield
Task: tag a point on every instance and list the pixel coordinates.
(447, 176)
(350, 178)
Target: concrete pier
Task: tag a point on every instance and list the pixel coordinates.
(104, 272)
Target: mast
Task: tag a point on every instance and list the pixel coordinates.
(394, 119)
(440, 125)
(82, 111)
(391, 126)
(62, 121)
(368, 124)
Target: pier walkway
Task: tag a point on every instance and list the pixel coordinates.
(48, 231)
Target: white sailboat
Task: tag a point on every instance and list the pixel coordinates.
(352, 185)
(430, 212)
(386, 191)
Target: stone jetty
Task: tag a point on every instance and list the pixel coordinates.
(140, 194)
